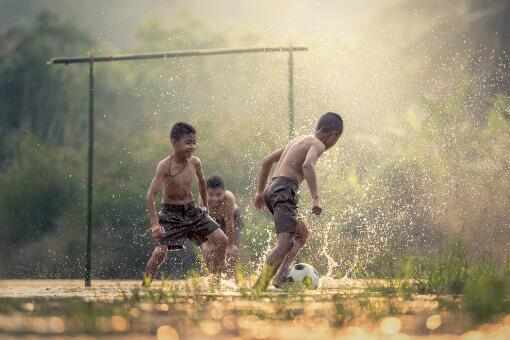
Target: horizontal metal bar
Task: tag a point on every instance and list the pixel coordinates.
(174, 54)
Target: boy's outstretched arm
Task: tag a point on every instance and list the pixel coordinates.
(157, 230)
(309, 172)
(265, 168)
(202, 185)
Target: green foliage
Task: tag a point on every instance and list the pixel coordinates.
(36, 98)
(446, 275)
(498, 120)
(487, 293)
(449, 275)
(32, 191)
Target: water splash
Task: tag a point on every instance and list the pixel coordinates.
(267, 248)
(324, 251)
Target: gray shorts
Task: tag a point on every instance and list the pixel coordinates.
(186, 221)
(281, 198)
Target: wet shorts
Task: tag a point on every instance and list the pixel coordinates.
(186, 221)
(281, 198)
(238, 226)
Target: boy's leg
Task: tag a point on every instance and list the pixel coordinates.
(231, 260)
(233, 250)
(274, 259)
(299, 242)
(215, 249)
(157, 258)
(207, 253)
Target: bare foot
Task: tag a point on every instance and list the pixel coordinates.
(278, 283)
(280, 277)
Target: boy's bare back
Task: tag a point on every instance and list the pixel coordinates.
(297, 160)
(294, 156)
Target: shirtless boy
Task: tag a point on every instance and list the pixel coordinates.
(180, 218)
(295, 162)
(224, 210)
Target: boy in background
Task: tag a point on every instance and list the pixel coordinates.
(224, 210)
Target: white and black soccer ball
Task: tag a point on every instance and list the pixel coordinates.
(303, 274)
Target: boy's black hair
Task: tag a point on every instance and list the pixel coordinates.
(330, 121)
(180, 129)
(215, 182)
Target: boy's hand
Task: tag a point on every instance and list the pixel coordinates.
(157, 231)
(232, 250)
(316, 208)
(259, 201)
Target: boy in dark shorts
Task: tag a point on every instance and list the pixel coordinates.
(295, 162)
(180, 218)
(224, 210)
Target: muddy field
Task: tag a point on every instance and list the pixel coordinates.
(200, 309)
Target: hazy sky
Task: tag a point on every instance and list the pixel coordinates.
(117, 20)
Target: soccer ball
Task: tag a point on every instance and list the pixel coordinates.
(304, 274)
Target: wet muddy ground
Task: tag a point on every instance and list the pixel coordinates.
(202, 309)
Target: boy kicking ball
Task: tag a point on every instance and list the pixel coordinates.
(295, 162)
(180, 218)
